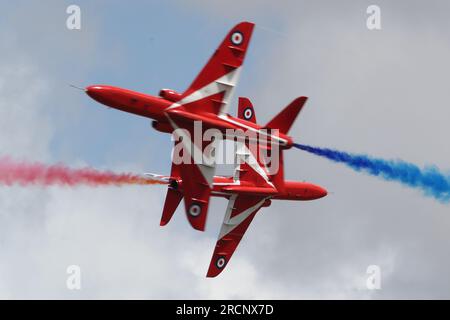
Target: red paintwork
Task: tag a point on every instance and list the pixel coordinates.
(155, 108)
(162, 126)
(170, 95)
(293, 190)
(227, 57)
(245, 110)
(129, 101)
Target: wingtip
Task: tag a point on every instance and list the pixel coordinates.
(196, 225)
(213, 272)
(301, 99)
(210, 275)
(199, 227)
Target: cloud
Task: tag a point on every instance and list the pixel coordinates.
(380, 92)
(21, 109)
(377, 92)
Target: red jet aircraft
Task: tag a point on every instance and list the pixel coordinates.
(253, 185)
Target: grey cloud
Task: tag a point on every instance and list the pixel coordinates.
(382, 92)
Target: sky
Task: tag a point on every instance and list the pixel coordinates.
(383, 92)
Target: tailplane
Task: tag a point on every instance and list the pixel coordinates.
(173, 197)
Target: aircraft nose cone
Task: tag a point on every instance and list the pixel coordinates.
(320, 192)
(102, 94)
(93, 91)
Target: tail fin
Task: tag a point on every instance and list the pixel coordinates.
(284, 120)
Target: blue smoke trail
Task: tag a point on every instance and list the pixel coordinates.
(429, 179)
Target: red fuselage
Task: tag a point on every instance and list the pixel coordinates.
(157, 108)
(293, 190)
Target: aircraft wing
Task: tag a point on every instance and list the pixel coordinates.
(196, 169)
(210, 92)
(212, 89)
(196, 193)
(239, 214)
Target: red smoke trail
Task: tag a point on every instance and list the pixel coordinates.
(24, 173)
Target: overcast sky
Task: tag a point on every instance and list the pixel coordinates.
(383, 92)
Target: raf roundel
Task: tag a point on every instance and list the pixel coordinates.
(194, 210)
(248, 113)
(220, 263)
(237, 38)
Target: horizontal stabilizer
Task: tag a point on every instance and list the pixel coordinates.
(173, 199)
